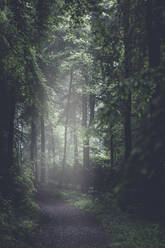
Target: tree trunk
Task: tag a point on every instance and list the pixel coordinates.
(92, 101)
(85, 125)
(7, 113)
(4, 127)
(53, 148)
(86, 153)
(127, 127)
(112, 150)
(75, 140)
(33, 146)
(127, 67)
(11, 129)
(154, 10)
(21, 141)
(43, 165)
(67, 118)
(153, 20)
(153, 27)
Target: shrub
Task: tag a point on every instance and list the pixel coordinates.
(18, 211)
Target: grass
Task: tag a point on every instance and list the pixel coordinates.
(124, 230)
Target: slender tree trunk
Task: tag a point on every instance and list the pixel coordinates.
(92, 101)
(7, 113)
(43, 165)
(21, 143)
(4, 127)
(112, 150)
(67, 118)
(65, 145)
(53, 148)
(154, 15)
(75, 149)
(127, 57)
(33, 146)
(75, 140)
(153, 27)
(153, 20)
(84, 125)
(33, 139)
(11, 129)
(127, 127)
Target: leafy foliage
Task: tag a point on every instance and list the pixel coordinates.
(125, 230)
(19, 213)
(113, 113)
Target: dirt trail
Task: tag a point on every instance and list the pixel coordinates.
(64, 226)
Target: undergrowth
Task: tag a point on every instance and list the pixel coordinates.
(125, 230)
(19, 213)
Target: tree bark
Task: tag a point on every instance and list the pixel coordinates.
(127, 127)
(67, 118)
(33, 146)
(153, 20)
(153, 27)
(127, 68)
(112, 150)
(92, 101)
(7, 113)
(4, 127)
(75, 139)
(11, 129)
(85, 125)
(43, 165)
(53, 148)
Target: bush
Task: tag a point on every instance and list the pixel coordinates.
(18, 212)
(125, 230)
(143, 184)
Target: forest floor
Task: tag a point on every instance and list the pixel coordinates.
(65, 226)
(71, 219)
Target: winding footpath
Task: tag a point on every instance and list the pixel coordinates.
(64, 226)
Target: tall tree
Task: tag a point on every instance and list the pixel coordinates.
(92, 101)
(43, 158)
(53, 146)
(75, 136)
(127, 71)
(33, 145)
(85, 122)
(67, 117)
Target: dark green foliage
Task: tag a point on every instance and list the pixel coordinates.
(105, 178)
(18, 212)
(19, 75)
(144, 177)
(125, 230)
(116, 52)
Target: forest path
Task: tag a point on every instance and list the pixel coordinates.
(65, 226)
